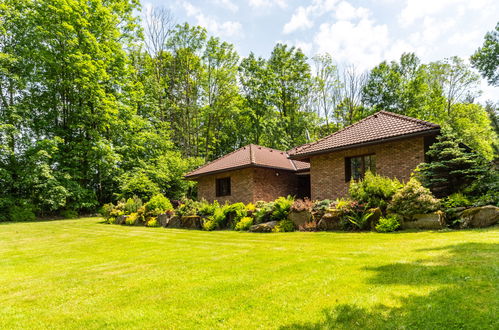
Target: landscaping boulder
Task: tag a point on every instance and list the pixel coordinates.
(331, 220)
(265, 227)
(164, 219)
(191, 222)
(374, 219)
(479, 217)
(300, 218)
(426, 221)
(174, 222)
(120, 219)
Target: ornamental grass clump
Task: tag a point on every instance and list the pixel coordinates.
(413, 199)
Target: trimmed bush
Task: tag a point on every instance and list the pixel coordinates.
(285, 225)
(244, 224)
(413, 199)
(157, 205)
(374, 190)
(388, 224)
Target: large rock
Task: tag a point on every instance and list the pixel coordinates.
(479, 217)
(174, 222)
(426, 221)
(374, 218)
(300, 218)
(191, 222)
(120, 219)
(331, 220)
(265, 227)
(164, 219)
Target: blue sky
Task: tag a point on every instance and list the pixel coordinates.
(363, 33)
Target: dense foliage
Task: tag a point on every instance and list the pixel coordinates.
(97, 105)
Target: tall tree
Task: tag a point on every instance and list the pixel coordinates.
(486, 58)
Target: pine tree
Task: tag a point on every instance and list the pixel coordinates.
(452, 166)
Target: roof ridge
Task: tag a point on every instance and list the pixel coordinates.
(306, 146)
(417, 120)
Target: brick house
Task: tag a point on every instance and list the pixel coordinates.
(388, 144)
(250, 174)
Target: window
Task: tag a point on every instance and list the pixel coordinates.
(223, 187)
(356, 167)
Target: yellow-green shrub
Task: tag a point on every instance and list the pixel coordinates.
(244, 224)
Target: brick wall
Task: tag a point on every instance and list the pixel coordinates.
(393, 159)
(249, 185)
(241, 182)
(267, 186)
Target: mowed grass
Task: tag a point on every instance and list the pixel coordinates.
(84, 274)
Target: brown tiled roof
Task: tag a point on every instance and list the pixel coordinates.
(379, 127)
(248, 156)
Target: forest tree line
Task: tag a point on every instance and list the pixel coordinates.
(97, 103)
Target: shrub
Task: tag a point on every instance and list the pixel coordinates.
(157, 205)
(206, 209)
(20, 213)
(131, 220)
(300, 205)
(388, 224)
(285, 225)
(190, 207)
(322, 205)
(244, 224)
(282, 206)
(111, 220)
(456, 200)
(217, 220)
(374, 190)
(250, 207)
(132, 205)
(69, 214)
(106, 210)
(263, 212)
(413, 199)
(152, 222)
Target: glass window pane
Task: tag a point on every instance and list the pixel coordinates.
(356, 167)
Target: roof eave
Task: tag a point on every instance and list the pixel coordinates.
(235, 168)
(306, 155)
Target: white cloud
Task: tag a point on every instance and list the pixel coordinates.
(268, 3)
(298, 21)
(419, 9)
(301, 18)
(361, 43)
(345, 11)
(228, 4)
(224, 29)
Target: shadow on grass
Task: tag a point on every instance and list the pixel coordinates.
(468, 297)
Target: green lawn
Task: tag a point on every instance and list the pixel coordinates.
(84, 274)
